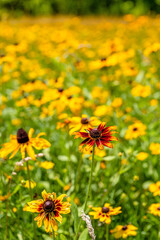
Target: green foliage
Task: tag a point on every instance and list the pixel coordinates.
(80, 7)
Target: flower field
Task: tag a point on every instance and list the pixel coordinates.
(79, 128)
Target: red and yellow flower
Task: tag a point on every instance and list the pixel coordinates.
(50, 209)
(24, 142)
(100, 136)
(104, 214)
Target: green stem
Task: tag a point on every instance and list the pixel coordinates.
(88, 191)
(78, 174)
(7, 208)
(30, 192)
(107, 231)
(29, 179)
(69, 158)
(53, 235)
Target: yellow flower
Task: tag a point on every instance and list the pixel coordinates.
(104, 214)
(155, 188)
(23, 141)
(4, 197)
(135, 130)
(141, 91)
(152, 48)
(46, 164)
(16, 122)
(65, 121)
(124, 161)
(100, 94)
(155, 148)
(33, 184)
(50, 209)
(154, 102)
(76, 201)
(103, 165)
(103, 110)
(82, 123)
(142, 156)
(14, 209)
(98, 152)
(155, 209)
(124, 231)
(128, 109)
(66, 187)
(136, 178)
(117, 102)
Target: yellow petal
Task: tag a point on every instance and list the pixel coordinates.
(15, 151)
(30, 152)
(23, 146)
(45, 195)
(47, 224)
(30, 133)
(40, 218)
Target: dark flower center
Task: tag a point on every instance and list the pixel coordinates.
(95, 133)
(135, 129)
(84, 121)
(124, 228)
(105, 210)
(48, 206)
(70, 97)
(158, 208)
(2, 55)
(60, 90)
(22, 136)
(103, 59)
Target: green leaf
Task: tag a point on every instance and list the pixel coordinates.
(16, 189)
(84, 235)
(108, 158)
(63, 158)
(74, 210)
(62, 237)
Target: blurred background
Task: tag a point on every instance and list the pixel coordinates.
(79, 7)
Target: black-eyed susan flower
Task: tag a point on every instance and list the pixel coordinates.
(135, 130)
(155, 188)
(100, 136)
(82, 123)
(155, 209)
(124, 231)
(50, 209)
(23, 141)
(104, 214)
